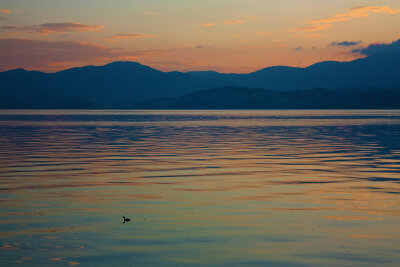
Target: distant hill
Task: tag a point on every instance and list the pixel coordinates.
(370, 72)
(119, 84)
(111, 86)
(250, 98)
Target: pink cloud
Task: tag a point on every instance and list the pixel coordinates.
(44, 55)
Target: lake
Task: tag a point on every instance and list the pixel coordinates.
(211, 187)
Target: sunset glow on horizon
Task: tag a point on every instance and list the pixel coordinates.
(226, 36)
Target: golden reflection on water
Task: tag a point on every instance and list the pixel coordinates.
(202, 187)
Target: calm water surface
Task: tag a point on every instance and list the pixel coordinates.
(220, 188)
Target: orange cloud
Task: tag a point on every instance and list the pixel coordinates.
(315, 28)
(50, 28)
(5, 11)
(252, 18)
(206, 24)
(330, 20)
(128, 36)
(376, 9)
(352, 13)
(357, 12)
(232, 22)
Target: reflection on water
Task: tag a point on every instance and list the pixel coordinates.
(297, 188)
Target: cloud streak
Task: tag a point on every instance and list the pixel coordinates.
(51, 28)
(206, 24)
(308, 29)
(5, 11)
(357, 12)
(352, 13)
(345, 43)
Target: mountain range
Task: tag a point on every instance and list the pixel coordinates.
(122, 84)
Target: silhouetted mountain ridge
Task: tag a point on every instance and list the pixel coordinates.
(119, 84)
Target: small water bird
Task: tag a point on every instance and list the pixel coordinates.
(126, 219)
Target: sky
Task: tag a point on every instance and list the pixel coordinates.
(236, 36)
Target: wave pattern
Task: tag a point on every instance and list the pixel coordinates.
(202, 187)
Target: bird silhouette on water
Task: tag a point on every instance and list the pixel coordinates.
(126, 219)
